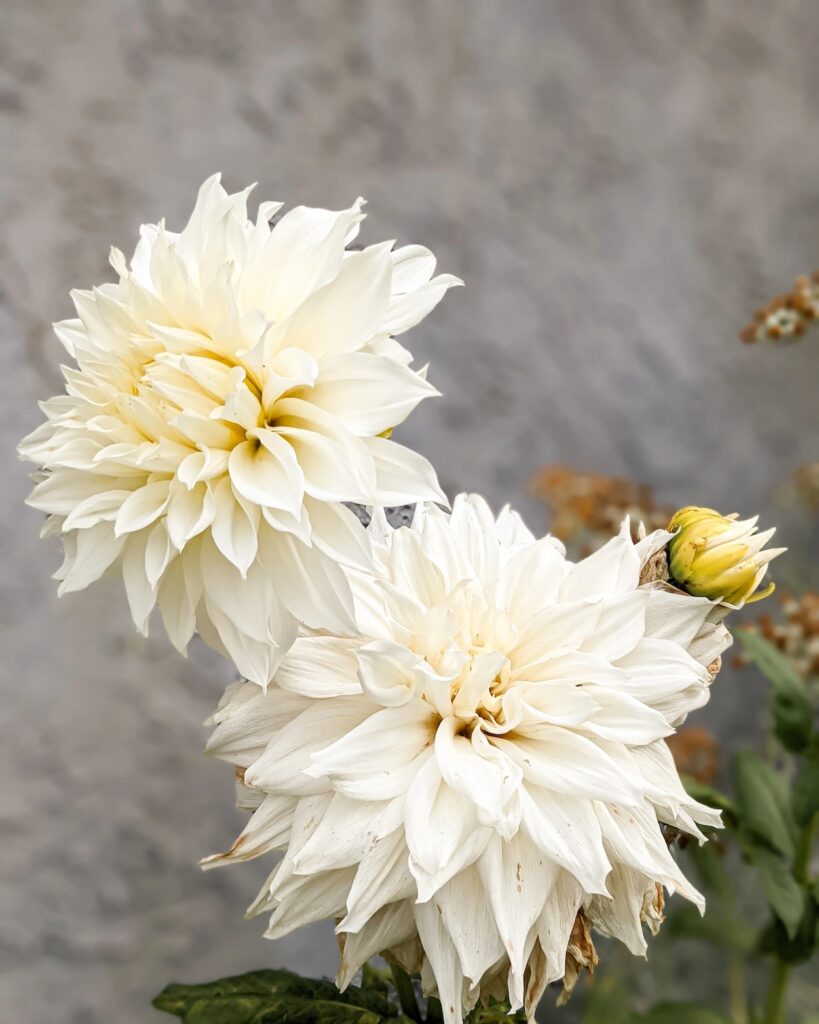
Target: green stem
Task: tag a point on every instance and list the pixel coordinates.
(406, 993)
(776, 1002)
(736, 965)
(804, 850)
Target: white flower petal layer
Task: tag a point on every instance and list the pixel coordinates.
(227, 399)
(481, 776)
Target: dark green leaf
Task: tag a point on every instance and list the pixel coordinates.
(687, 923)
(681, 1013)
(782, 891)
(790, 704)
(708, 795)
(806, 790)
(273, 997)
(377, 978)
(797, 950)
(763, 803)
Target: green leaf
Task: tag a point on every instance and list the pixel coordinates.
(782, 891)
(797, 950)
(790, 703)
(681, 1013)
(686, 923)
(763, 804)
(708, 795)
(273, 997)
(806, 790)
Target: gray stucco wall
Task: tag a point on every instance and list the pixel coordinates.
(618, 184)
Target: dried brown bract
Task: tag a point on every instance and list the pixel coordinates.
(787, 316)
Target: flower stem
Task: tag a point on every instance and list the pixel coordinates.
(405, 992)
(805, 849)
(776, 1001)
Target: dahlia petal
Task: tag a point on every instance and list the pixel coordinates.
(517, 879)
(620, 626)
(555, 924)
(388, 927)
(370, 393)
(471, 924)
(566, 762)
(383, 877)
(487, 778)
(531, 579)
(348, 829)
(412, 267)
(473, 527)
(99, 507)
(61, 492)
(265, 473)
(377, 745)
(554, 823)
(94, 552)
(141, 593)
(304, 251)
(235, 526)
(671, 615)
(624, 719)
(247, 720)
(442, 830)
(320, 666)
(614, 568)
(268, 829)
(663, 675)
(142, 507)
(288, 765)
(178, 612)
(338, 533)
(345, 313)
(411, 309)
(290, 368)
(316, 897)
(402, 475)
(387, 672)
(619, 915)
(313, 588)
(189, 512)
(443, 960)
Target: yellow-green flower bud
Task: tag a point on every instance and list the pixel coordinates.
(719, 557)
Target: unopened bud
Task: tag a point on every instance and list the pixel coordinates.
(719, 557)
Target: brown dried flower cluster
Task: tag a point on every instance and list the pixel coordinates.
(587, 508)
(796, 635)
(696, 753)
(787, 316)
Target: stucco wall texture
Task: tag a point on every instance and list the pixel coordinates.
(619, 184)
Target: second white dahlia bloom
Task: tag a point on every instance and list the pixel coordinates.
(230, 393)
(478, 778)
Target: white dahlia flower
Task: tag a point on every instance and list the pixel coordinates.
(478, 778)
(231, 391)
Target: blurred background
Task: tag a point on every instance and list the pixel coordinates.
(620, 186)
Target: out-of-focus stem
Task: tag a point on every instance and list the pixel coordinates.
(805, 849)
(736, 965)
(405, 992)
(776, 1003)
